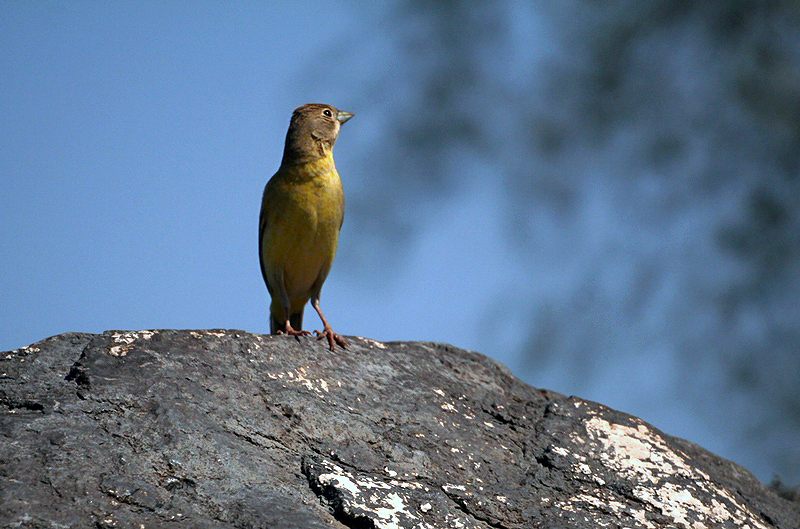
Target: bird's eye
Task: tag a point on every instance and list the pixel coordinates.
(327, 112)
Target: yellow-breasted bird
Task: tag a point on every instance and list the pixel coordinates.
(301, 213)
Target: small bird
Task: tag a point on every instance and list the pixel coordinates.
(302, 210)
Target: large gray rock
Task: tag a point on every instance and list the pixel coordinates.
(210, 429)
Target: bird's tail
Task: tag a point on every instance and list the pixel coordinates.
(295, 320)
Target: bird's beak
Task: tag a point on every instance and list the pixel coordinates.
(343, 116)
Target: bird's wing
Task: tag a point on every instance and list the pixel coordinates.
(262, 228)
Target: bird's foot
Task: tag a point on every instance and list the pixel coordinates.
(291, 332)
(332, 337)
(297, 333)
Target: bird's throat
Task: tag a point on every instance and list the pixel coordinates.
(313, 169)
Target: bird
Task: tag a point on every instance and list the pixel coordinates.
(302, 210)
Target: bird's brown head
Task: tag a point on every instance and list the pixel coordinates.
(312, 132)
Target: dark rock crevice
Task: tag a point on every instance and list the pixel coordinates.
(331, 497)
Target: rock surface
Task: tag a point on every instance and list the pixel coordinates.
(210, 429)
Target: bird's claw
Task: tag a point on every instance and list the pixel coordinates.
(296, 334)
(332, 337)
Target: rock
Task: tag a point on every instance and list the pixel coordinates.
(209, 429)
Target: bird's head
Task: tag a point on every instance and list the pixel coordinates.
(312, 132)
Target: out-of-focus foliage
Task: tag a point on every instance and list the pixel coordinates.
(650, 152)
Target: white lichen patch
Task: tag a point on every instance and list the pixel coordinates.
(124, 341)
(24, 351)
(119, 350)
(619, 509)
(397, 506)
(450, 407)
(641, 456)
(301, 377)
(388, 504)
(408, 485)
(131, 336)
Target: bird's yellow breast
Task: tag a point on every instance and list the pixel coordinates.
(302, 208)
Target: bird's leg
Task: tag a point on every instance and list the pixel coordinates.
(326, 331)
(289, 331)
